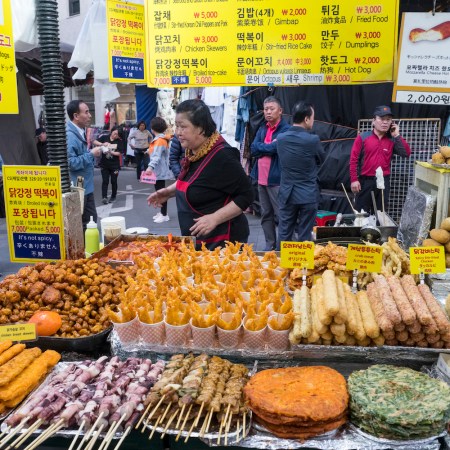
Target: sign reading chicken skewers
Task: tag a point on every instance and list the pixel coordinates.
(297, 255)
(34, 217)
(364, 258)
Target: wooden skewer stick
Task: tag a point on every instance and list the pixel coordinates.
(154, 410)
(14, 431)
(154, 428)
(184, 422)
(180, 417)
(238, 425)
(172, 417)
(127, 432)
(47, 434)
(244, 427)
(194, 424)
(223, 422)
(209, 422)
(107, 437)
(74, 440)
(25, 436)
(205, 422)
(227, 429)
(143, 416)
(95, 437)
(112, 431)
(165, 412)
(89, 432)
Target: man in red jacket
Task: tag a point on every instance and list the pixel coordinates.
(371, 150)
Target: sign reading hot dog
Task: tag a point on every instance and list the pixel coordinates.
(427, 259)
(270, 42)
(365, 258)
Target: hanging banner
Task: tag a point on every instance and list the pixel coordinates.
(126, 42)
(34, 213)
(8, 83)
(242, 43)
(423, 73)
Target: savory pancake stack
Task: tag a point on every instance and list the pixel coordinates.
(298, 402)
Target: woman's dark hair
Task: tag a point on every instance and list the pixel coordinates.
(158, 124)
(300, 111)
(140, 123)
(199, 115)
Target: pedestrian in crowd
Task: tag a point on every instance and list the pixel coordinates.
(371, 150)
(81, 159)
(41, 145)
(300, 154)
(142, 138)
(159, 161)
(176, 155)
(266, 169)
(212, 190)
(110, 163)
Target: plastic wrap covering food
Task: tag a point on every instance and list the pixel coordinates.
(416, 218)
(440, 287)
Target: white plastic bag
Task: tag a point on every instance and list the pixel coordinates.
(24, 25)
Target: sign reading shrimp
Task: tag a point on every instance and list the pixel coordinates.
(427, 259)
(364, 258)
(297, 255)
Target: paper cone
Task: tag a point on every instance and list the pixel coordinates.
(128, 332)
(254, 339)
(176, 334)
(152, 333)
(228, 338)
(203, 337)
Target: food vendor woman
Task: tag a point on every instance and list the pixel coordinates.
(212, 190)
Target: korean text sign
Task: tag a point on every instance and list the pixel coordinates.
(423, 72)
(8, 84)
(427, 259)
(297, 255)
(365, 258)
(34, 213)
(279, 42)
(126, 42)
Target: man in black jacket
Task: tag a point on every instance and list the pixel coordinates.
(176, 154)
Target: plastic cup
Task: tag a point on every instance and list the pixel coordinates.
(176, 334)
(152, 333)
(228, 338)
(128, 332)
(203, 337)
(254, 339)
(111, 232)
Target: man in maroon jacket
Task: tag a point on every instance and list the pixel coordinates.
(371, 150)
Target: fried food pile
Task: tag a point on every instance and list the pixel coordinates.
(298, 402)
(21, 370)
(331, 257)
(393, 311)
(79, 291)
(398, 403)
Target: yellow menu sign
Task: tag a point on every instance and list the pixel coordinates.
(8, 84)
(427, 259)
(270, 42)
(297, 255)
(126, 42)
(34, 214)
(365, 258)
(18, 332)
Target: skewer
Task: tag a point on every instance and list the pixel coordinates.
(227, 429)
(154, 428)
(143, 416)
(47, 434)
(108, 437)
(238, 425)
(95, 437)
(181, 415)
(14, 431)
(205, 422)
(89, 432)
(117, 425)
(194, 424)
(184, 422)
(222, 422)
(26, 435)
(168, 423)
(74, 440)
(127, 432)
(244, 428)
(153, 412)
(209, 422)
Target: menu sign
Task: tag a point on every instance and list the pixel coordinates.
(297, 255)
(423, 73)
(270, 42)
(34, 217)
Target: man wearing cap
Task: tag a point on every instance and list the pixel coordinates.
(41, 145)
(371, 150)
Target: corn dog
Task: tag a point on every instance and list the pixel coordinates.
(321, 309)
(341, 316)
(385, 295)
(10, 353)
(331, 301)
(402, 336)
(404, 306)
(354, 322)
(338, 329)
(417, 302)
(317, 324)
(370, 324)
(16, 365)
(414, 327)
(377, 307)
(379, 341)
(296, 333)
(305, 312)
(437, 312)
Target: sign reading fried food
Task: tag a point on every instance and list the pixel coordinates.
(298, 402)
(364, 258)
(298, 255)
(427, 259)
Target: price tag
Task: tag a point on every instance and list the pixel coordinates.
(297, 255)
(18, 332)
(427, 259)
(365, 258)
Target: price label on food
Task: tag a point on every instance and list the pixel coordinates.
(18, 332)
(270, 42)
(365, 258)
(297, 255)
(427, 259)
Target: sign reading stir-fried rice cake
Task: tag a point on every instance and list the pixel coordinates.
(270, 42)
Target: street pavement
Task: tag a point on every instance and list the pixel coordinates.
(131, 203)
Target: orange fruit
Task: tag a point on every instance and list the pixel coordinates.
(47, 322)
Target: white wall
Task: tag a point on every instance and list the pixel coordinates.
(70, 26)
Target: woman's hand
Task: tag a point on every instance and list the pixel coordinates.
(204, 225)
(158, 198)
